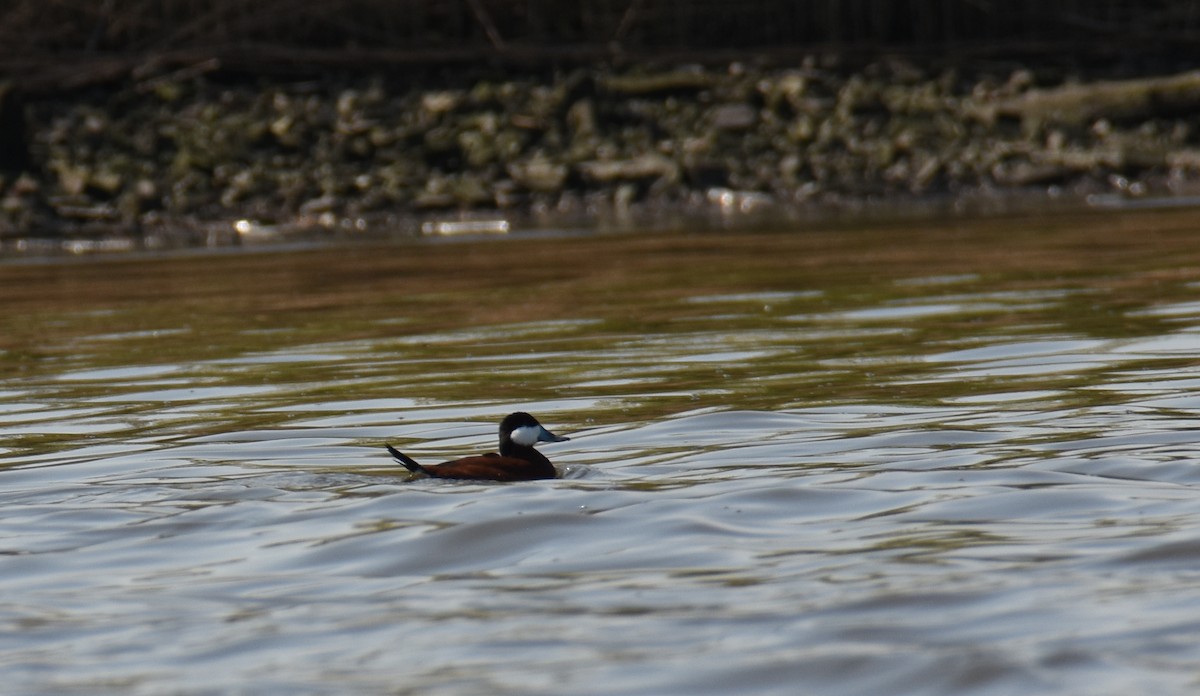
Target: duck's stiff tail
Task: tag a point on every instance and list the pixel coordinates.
(408, 462)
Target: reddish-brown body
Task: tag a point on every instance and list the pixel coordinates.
(493, 467)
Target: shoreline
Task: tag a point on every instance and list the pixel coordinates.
(200, 155)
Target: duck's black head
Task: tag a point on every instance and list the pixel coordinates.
(523, 430)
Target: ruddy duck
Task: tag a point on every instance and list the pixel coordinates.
(517, 461)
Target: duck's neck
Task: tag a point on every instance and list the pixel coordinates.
(508, 448)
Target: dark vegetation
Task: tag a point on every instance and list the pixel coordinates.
(49, 45)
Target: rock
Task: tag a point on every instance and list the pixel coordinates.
(581, 119)
(281, 128)
(437, 193)
(107, 180)
(539, 174)
(648, 166)
(322, 204)
(73, 179)
(469, 191)
(344, 144)
(438, 103)
(433, 200)
(476, 147)
(733, 117)
(788, 88)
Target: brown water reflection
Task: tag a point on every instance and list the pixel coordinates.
(192, 307)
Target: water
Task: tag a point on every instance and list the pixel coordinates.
(951, 458)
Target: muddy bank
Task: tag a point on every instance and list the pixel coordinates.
(198, 150)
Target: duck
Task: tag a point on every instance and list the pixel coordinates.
(517, 460)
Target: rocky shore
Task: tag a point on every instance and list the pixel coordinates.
(196, 149)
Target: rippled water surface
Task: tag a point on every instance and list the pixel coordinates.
(946, 458)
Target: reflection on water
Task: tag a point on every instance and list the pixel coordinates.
(929, 461)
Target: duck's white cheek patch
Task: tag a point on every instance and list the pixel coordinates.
(526, 436)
